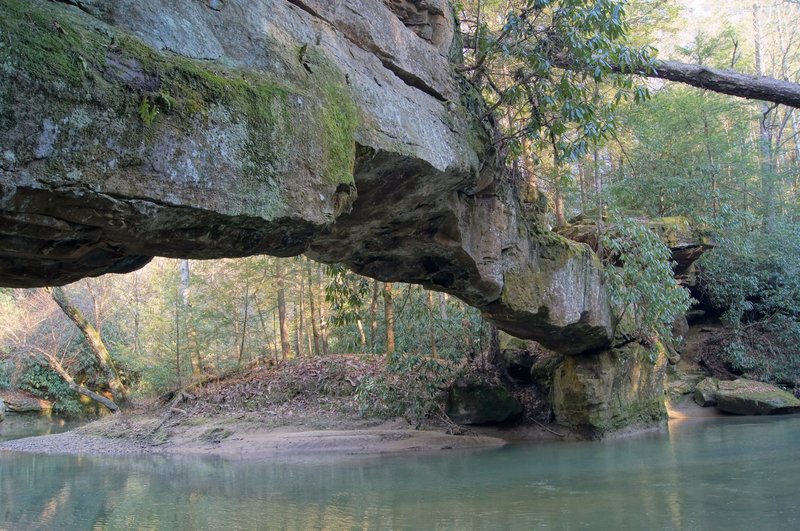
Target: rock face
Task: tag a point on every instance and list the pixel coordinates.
(139, 128)
(705, 394)
(600, 393)
(748, 397)
(479, 403)
(21, 402)
(686, 245)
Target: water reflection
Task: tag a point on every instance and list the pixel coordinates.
(16, 426)
(720, 474)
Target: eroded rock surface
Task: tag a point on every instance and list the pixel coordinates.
(608, 391)
(136, 128)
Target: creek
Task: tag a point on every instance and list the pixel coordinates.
(728, 473)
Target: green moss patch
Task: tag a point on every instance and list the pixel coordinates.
(56, 50)
(339, 118)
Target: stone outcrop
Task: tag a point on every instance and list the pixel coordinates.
(594, 394)
(21, 402)
(686, 244)
(749, 397)
(705, 393)
(139, 128)
(604, 392)
(745, 397)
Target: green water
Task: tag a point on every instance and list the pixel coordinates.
(713, 474)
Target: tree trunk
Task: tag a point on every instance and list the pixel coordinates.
(443, 306)
(598, 190)
(137, 348)
(244, 323)
(431, 324)
(558, 203)
(95, 342)
(312, 305)
(54, 364)
(301, 320)
(796, 181)
(388, 311)
(725, 82)
(191, 331)
(373, 317)
(263, 323)
(362, 335)
(323, 316)
(764, 133)
(178, 340)
(283, 324)
(469, 340)
(494, 345)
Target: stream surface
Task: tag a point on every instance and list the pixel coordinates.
(730, 473)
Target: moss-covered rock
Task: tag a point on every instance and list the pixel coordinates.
(680, 383)
(598, 394)
(705, 393)
(481, 403)
(748, 397)
(509, 342)
(686, 243)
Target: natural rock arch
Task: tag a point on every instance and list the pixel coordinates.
(199, 129)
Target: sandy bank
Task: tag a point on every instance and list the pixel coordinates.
(231, 439)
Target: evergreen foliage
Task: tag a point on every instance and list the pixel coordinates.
(641, 284)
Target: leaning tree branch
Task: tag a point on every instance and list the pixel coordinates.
(726, 82)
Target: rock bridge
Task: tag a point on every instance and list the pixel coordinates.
(336, 129)
(221, 128)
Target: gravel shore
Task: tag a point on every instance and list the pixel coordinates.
(75, 444)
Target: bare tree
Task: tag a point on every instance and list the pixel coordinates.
(95, 342)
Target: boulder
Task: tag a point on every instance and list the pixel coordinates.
(748, 397)
(139, 128)
(601, 393)
(481, 403)
(680, 329)
(682, 382)
(2, 410)
(17, 401)
(705, 393)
